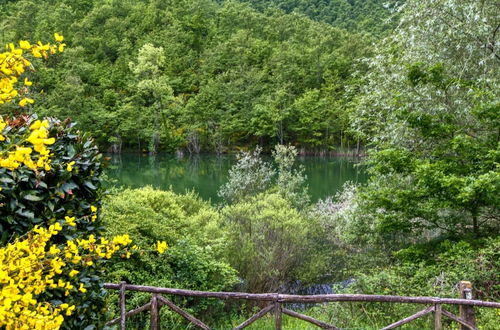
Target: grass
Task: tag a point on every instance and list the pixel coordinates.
(344, 315)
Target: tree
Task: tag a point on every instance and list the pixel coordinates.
(153, 84)
(430, 112)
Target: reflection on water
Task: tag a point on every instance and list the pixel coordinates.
(206, 173)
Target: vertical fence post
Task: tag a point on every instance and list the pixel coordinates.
(466, 312)
(123, 310)
(155, 313)
(437, 317)
(277, 313)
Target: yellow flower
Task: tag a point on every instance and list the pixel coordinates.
(49, 141)
(24, 44)
(161, 246)
(29, 268)
(36, 125)
(25, 101)
(73, 273)
(81, 288)
(27, 82)
(58, 37)
(70, 310)
(39, 124)
(69, 167)
(93, 209)
(70, 221)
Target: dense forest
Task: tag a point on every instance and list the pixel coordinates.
(412, 85)
(201, 76)
(372, 16)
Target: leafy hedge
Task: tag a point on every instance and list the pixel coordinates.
(68, 187)
(39, 197)
(192, 228)
(432, 269)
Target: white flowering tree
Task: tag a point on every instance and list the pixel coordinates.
(430, 112)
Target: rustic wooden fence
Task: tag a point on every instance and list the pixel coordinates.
(276, 300)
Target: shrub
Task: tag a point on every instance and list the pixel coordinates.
(291, 182)
(248, 177)
(149, 215)
(268, 241)
(33, 269)
(49, 176)
(430, 270)
(67, 185)
(50, 196)
(252, 175)
(193, 260)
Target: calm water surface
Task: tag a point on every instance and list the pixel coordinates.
(206, 173)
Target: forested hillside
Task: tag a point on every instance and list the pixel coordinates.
(194, 75)
(372, 16)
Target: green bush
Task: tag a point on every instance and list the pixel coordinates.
(429, 270)
(43, 196)
(193, 261)
(149, 215)
(39, 197)
(267, 241)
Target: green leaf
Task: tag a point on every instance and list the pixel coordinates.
(26, 213)
(41, 184)
(90, 185)
(32, 198)
(6, 180)
(69, 186)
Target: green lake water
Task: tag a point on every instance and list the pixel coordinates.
(206, 173)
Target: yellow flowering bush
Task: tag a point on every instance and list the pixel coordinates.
(31, 151)
(51, 248)
(15, 61)
(50, 274)
(33, 265)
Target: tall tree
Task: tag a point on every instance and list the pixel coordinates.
(430, 110)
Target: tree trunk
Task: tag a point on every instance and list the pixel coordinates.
(475, 225)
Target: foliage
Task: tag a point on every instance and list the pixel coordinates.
(153, 86)
(429, 270)
(51, 171)
(193, 260)
(291, 182)
(430, 110)
(224, 75)
(249, 176)
(435, 269)
(33, 266)
(252, 175)
(50, 179)
(371, 16)
(337, 217)
(153, 215)
(267, 241)
(15, 61)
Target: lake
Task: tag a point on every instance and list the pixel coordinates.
(206, 173)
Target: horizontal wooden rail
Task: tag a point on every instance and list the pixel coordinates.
(287, 298)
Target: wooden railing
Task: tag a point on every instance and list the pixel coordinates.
(276, 301)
